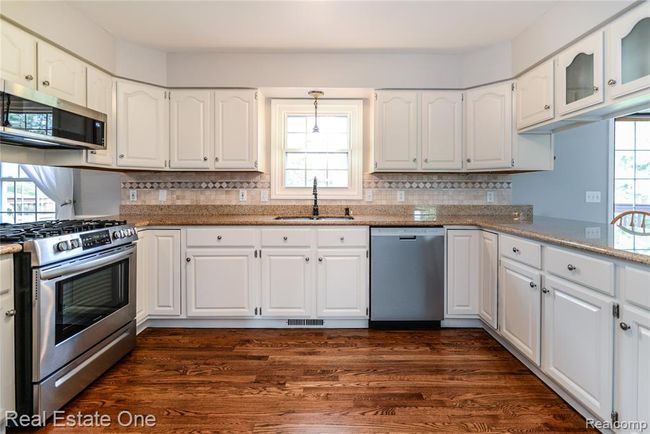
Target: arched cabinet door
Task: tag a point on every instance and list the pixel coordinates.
(629, 52)
(396, 131)
(579, 75)
(17, 56)
(236, 129)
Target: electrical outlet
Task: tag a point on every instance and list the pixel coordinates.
(162, 196)
(133, 195)
(368, 195)
(592, 233)
(490, 197)
(592, 196)
(401, 197)
(264, 196)
(242, 195)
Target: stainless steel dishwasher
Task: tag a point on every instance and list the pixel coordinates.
(407, 277)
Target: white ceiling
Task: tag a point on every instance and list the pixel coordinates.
(334, 25)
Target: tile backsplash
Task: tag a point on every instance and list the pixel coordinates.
(214, 188)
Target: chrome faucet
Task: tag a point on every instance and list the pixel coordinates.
(315, 212)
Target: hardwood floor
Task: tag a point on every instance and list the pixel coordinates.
(207, 380)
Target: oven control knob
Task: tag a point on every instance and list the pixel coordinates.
(117, 235)
(74, 244)
(62, 246)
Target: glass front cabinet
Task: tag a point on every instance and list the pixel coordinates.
(579, 75)
(629, 52)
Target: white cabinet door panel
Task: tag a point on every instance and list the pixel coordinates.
(235, 129)
(396, 130)
(7, 326)
(287, 282)
(99, 97)
(534, 92)
(17, 55)
(165, 274)
(488, 271)
(61, 75)
(462, 272)
(441, 115)
(342, 287)
(190, 132)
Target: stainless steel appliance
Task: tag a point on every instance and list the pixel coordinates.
(407, 277)
(75, 306)
(35, 119)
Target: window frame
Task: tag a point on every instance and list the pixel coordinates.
(280, 110)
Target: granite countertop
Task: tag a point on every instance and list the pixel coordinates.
(8, 248)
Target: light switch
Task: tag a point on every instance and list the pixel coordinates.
(133, 195)
(162, 196)
(490, 197)
(368, 195)
(401, 197)
(242, 195)
(264, 196)
(592, 196)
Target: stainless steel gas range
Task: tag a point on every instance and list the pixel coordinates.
(75, 306)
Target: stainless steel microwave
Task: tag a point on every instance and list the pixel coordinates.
(35, 119)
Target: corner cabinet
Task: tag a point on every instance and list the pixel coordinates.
(17, 55)
(628, 60)
(60, 74)
(534, 94)
(142, 126)
(579, 75)
(488, 127)
(100, 93)
(462, 272)
(190, 131)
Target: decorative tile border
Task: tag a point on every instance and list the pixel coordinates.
(196, 185)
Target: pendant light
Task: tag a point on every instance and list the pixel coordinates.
(315, 94)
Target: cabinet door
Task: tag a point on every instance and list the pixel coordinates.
(462, 272)
(488, 127)
(578, 343)
(190, 132)
(534, 93)
(396, 130)
(164, 251)
(287, 282)
(342, 283)
(7, 386)
(441, 117)
(519, 308)
(633, 365)
(580, 74)
(143, 263)
(61, 75)
(142, 126)
(628, 63)
(99, 97)
(488, 271)
(17, 55)
(235, 129)
(222, 282)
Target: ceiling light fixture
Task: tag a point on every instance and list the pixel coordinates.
(315, 94)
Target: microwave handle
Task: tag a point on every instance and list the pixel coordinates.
(85, 265)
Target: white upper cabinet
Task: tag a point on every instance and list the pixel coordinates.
(580, 74)
(142, 125)
(441, 115)
(628, 60)
(534, 93)
(488, 127)
(17, 55)
(396, 131)
(236, 125)
(190, 129)
(60, 74)
(462, 272)
(99, 97)
(342, 283)
(488, 271)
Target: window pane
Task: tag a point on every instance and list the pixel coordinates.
(296, 124)
(295, 160)
(25, 197)
(45, 204)
(624, 164)
(319, 174)
(45, 216)
(25, 217)
(9, 170)
(643, 135)
(337, 161)
(317, 162)
(294, 178)
(624, 135)
(624, 193)
(333, 124)
(296, 141)
(337, 141)
(6, 217)
(642, 193)
(337, 178)
(643, 164)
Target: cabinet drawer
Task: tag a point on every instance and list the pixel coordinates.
(335, 237)
(583, 269)
(221, 236)
(636, 286)
(290, 237)
(524, 251)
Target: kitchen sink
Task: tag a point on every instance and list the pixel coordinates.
(310, 218)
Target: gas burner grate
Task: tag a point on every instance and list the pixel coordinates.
(21, 232)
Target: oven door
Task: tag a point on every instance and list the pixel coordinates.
(79, 303)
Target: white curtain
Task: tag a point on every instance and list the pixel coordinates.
(57, 183)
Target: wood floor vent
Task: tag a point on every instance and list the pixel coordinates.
(305, 322)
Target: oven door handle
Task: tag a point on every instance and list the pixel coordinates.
(85, 265)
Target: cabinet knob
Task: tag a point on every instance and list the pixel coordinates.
(611, 82)
(307, 259)
(29, 77)
(469, 160)
(596, 88)
(624, 326)
(219, 237)
(46, 83)
(188, 259)
(533, 285)
(320, 259)
(10, 312)
(571, 267)
(216, 159)
(426, 160)
(515, 250)
(545, 291)
(415, 160)
(285, 238)
(121, 155)
(547, 107)
(342, 239)
(93, 152)
(205, 158)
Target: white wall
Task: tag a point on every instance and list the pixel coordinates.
(140, 63)
(487, 64)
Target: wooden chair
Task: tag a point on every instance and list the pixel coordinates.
(633, 222)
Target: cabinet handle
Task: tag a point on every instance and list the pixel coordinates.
(320, 259)
(188, 259)
(375, 164)
(255, 311)
(547, 107)
(545, 291)
(10, 312)
(219, 237)
(596, 88)
(205, 158)
(571, 267)
(533, 285)
(93, 152)
(515, 250)
(306, 258)
(624, 326)
(611, 82)
(46, 83)
(121, 155)
(29, 77)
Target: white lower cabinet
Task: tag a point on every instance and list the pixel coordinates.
(519, 308)
(342, 283)
(143, 270)
(633, 365)
(7, 387)
(578, 343)
(462, 272)
(488, 272)
(287, 282)
(164, 275)
(221, 282)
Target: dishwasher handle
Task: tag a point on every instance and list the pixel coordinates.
(407, 237)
